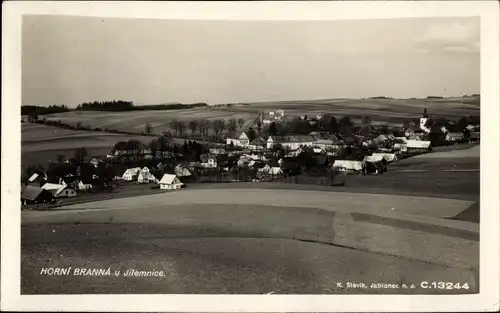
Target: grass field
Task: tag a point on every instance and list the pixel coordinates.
(388, 110)
(41, 143)
(248, 241)
(135, 121)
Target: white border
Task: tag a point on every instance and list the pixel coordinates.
(488, 298)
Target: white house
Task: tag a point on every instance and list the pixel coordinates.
(208, 161)
(65, 191)
(240, 140)
(59, 190)
(170, 181)
(131, 174)
(145, 177)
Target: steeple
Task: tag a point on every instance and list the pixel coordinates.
(425, 113)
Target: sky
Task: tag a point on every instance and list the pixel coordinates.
(69, 60)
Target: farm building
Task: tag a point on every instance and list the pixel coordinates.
(240, 140)
(170, 181)
(418, 146)
(258, 144)
(145, 177)
(348, 165)
(454, 137)
(35, 195)
(290, 142)
(131, 174)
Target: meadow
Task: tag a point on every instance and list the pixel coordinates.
(383, 110)
(41, 143)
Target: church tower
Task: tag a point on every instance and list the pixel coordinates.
(423, 120)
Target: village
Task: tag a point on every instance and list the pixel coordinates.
(301, 150)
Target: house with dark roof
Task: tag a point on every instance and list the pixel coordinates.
(258, 144)
(36, 195)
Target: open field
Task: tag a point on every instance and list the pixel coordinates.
(389, 110)
(135, 121)
(251, 241)
(41, 143)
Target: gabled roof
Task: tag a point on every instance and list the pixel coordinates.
(168, 179)
(258, 141)
(132, 171)
(418, 144)
(373, 158)
(51, 186)
(31, 192)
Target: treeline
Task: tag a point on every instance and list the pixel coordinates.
(39, 110)
(106, 106)
(129, 106)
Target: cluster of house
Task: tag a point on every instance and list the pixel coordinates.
(66, 188)
(70, 185)
(272, 116)
(146, 176)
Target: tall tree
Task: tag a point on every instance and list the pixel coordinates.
(232, 125)
(251, 134)
(174, 124)
(218, 126)
(241, 122)
(367, 120)
(182, 127)
(204, 127)
(272, 129)
(60, 158)
(148, 128)
(193, 125)
(80, 154)
(333, 126)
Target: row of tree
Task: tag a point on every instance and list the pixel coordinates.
(201, 127)
(34, 110)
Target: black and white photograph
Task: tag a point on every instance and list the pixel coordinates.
(250, 157)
